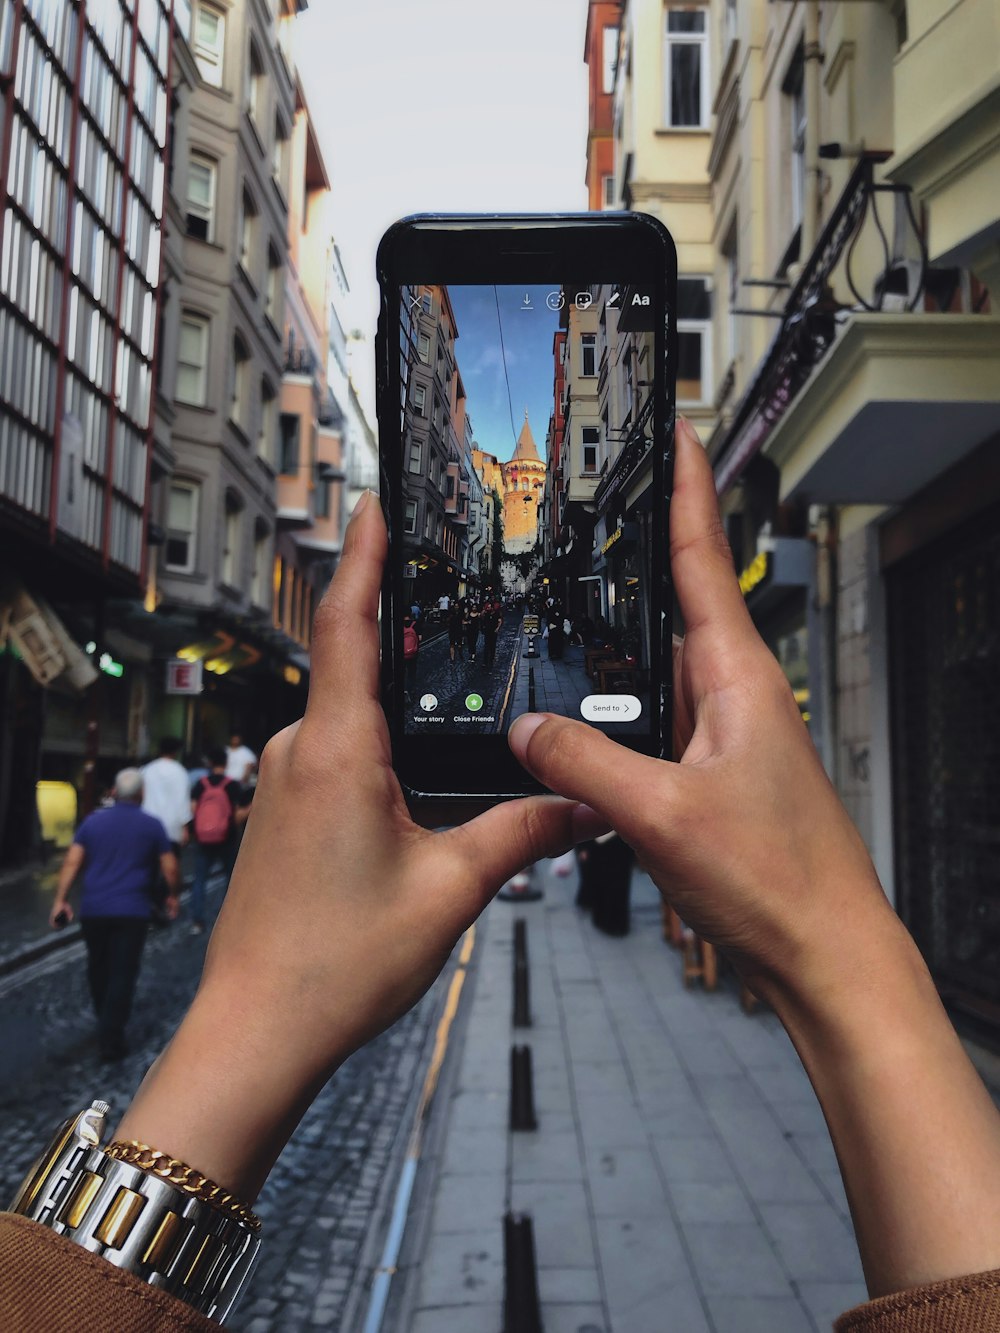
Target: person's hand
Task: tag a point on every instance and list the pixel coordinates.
(172, 906)
(340, 912)
(744, 836)
(60, 914)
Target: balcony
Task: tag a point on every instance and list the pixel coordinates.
(883, 371)
(637, 444)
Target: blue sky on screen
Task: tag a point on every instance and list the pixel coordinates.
(527, 341)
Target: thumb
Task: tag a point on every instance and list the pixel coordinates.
(583, 764)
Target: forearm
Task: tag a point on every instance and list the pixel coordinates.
(67, 877)
(916, 1133)
(227, 1092)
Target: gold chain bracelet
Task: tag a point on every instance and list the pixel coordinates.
(185, 1177)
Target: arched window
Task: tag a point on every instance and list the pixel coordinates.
(231, 539)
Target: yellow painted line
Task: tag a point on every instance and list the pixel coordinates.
(441, 1037)
(510, 683)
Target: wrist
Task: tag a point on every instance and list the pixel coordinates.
(228, 1091)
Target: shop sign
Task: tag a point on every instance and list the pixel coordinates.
(183, 677)
(624, 532)
(755, 573)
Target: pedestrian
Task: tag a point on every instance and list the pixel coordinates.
(609, 879)
(411, 651)
(444, 603)
(456, 642)
(166, 787)
(492, 621)
(166, 792)
(121, 853)
(471, 629)
(241, 762)
(556, 635)
(218, 808)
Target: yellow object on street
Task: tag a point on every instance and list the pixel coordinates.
(57, 812)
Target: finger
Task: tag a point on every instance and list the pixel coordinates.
(701, 559)
(584, 765)
(344, 652)
(499, 843)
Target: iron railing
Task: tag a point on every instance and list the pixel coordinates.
(637, 444)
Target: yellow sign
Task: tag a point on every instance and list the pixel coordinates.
(616, 536)
(292, 674)
(755, 572)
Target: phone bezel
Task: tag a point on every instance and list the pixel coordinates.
(445, 249)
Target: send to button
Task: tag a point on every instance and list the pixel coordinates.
(610, 707)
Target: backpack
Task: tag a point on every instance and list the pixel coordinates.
(411, 643)
(213, 816)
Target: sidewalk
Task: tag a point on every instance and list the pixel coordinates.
(25, 899)
(681, 1177)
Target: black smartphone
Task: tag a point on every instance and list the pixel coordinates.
(525, 387)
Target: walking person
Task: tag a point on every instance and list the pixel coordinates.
(217, 809)
(492, 621)
(121, 852)
(456, 642)
(166, 795)
(241, 762)
(609, 881)
(411, 652)
(471, 629)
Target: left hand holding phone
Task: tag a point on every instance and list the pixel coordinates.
(341, 910)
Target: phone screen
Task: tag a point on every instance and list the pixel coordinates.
(527, 499)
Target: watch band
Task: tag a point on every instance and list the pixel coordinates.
(137, 1221)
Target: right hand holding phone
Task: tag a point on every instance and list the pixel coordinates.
(60, 915)
(745, 836)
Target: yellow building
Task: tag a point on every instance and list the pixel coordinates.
(524, 481)
(855, 194)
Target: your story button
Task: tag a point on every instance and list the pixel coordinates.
(610, 708)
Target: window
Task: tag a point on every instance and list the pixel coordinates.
(794, 92)
(231, 541)
(410, 516)
(201, 198)
(323, 488)
(694, 329)
(591, 438)
(609, 54)
(209, 43)
(435, 412)
(182, 517)
(192, 355)
(439, 533)
(415, 460)
(424, 349)
(731, 20)
(419, 399)
(589, 353)
(268, 415)
(275, 285)
(241, 382)
(256, 87)
(426, 304)
(248, 216)
(428, 524)
(289, 442)
(278, 152)
(261, 563)
(685, 70)
(608, 191)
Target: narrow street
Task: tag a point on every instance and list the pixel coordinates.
(325, 1187)
(453, 682)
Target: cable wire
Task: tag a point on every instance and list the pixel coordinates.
(503, 357)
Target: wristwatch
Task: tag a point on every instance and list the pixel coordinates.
(137, 1221)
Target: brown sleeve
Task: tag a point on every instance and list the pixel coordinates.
(957, 1305)
(50, 1285)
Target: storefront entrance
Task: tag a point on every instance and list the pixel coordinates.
(944, 619)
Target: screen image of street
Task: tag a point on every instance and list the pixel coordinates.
(527, 477)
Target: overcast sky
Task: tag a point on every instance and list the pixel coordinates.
(443, 106)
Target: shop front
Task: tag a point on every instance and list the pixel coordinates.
(776, 587)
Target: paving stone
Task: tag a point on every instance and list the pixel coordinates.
(812, 1242)
(754, 1314)
(735, 1259)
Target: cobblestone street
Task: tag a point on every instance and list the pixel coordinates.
(320, 1200)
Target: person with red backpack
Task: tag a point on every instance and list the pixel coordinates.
(217, 810)
(411, 651)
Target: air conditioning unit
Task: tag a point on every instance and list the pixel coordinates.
(42, 640)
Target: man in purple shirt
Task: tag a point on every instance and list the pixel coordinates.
(121, 851)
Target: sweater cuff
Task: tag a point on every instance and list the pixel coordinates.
(955, 1305)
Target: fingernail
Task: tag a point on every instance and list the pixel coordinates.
(587, 824)
(362, 501)
(688, 429)
(521, 731)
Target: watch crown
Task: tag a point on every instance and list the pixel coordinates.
(90, 1123)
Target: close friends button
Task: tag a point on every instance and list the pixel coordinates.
(610, 708)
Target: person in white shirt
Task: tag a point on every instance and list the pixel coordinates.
(444, 601)
(241, 761)
(166, 792)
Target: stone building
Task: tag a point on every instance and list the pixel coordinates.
(524, 485)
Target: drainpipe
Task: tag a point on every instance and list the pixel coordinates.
(812, 62)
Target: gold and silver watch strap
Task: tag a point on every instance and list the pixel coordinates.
(137, 1221)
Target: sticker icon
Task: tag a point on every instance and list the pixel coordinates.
(428, 702)
(474, 702)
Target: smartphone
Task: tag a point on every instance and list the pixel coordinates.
(525, 398)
